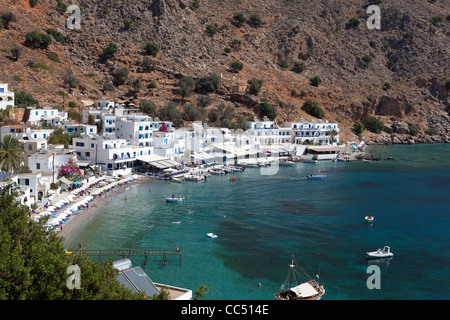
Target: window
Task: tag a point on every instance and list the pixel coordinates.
(38, 166)
(30, 147)
(88, 154)
(79, 144)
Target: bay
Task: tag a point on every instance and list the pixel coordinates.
(261, 220)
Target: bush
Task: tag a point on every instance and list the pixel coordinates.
(431, 131)
(254, 86)
(227, 50)
(186, 86)
(147, 107)
(256, 20)
(367, 59)
(151, 85)
(269, 110)
(312, 108)
(193, 113)
(211, 30)
(121, 75)
(353, 23)
(315, 81)
(37, 40)
(237, 66)
(33, 3)
(283, 64)
(7, 18)
(72, 104)
(23, 99)
(414, 129)
(299, 66)
(358, 127)
(149, 64)
(109, 51)
(58, 36)
(151, 48)
(239, 19)
(386, 86)
(208, 83)
(53, 57)
(373, 124)
(169, 112)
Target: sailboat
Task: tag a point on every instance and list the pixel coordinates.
(308, 290)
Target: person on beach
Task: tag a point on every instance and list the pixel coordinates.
(125, 198)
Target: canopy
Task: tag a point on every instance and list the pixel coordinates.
(77, 182)
(304, 290)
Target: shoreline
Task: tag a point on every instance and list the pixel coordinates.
(83, 216)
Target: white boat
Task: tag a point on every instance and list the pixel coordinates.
(174, 199)
(380, 253)
(316, 176)
(308, 290)
(286, 163)
(369, 218)
(212, 235)
(310, 161)
(342, 160)
(176, 222)
(192, 178)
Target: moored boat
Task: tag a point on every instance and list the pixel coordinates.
(308, 290)
(380, 253)
(212, 235)
(369, 218)
(310, 161)
(174, 199)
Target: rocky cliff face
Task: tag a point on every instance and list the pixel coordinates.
(399, 73)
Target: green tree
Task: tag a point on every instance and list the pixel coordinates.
(169, 112)
(33, 263)
(186, 86)
(109, 51)
(358, 127)
(268, 110)
(11, 154)
(59, 136)
(148, 107)
(70, 80)
(201, 292)
(7, 18)
(299, 66)
(151, 48)
(210, 30)
(193, 113)
(121, 75)
(373, 124)
(312, 108)
(239, 19)
(208, 83)
(255, 20)
(23, 99)
(315, 81)
(236, 66)
(254, 86)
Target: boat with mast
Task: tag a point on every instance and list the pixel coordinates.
(310, 289)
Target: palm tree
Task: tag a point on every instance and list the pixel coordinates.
(11, 154)
(333, 133)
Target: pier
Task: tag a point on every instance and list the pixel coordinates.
(165, 254)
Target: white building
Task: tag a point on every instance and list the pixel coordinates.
(314, 132)
(113, 155)
(166, 143)
(137, 129)
(267, 132)
(6, 97)
(25, 133)
(49, 116)
(50, 161)
(82, 128)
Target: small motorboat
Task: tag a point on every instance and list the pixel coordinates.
(286, 163)
(380, 253)
(212, 235)
(174, 199)
(176, 222)
(310, 161)
(232, 178)
(369, 218)
(316, 176)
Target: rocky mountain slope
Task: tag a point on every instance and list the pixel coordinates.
(399, 73)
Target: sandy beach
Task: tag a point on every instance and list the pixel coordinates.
(85, 214)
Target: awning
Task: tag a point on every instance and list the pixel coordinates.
(150, 158)
(304, 290)
(65, 180)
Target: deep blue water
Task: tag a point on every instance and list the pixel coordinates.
(262, 220)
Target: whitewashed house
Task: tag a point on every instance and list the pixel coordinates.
(81, 128)
(137, 129)
(50, 160)
(6, 97)
(314, 132)
(25, 133)
(113, 155)
(49, 116)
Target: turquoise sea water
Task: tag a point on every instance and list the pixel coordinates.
(262, 220)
